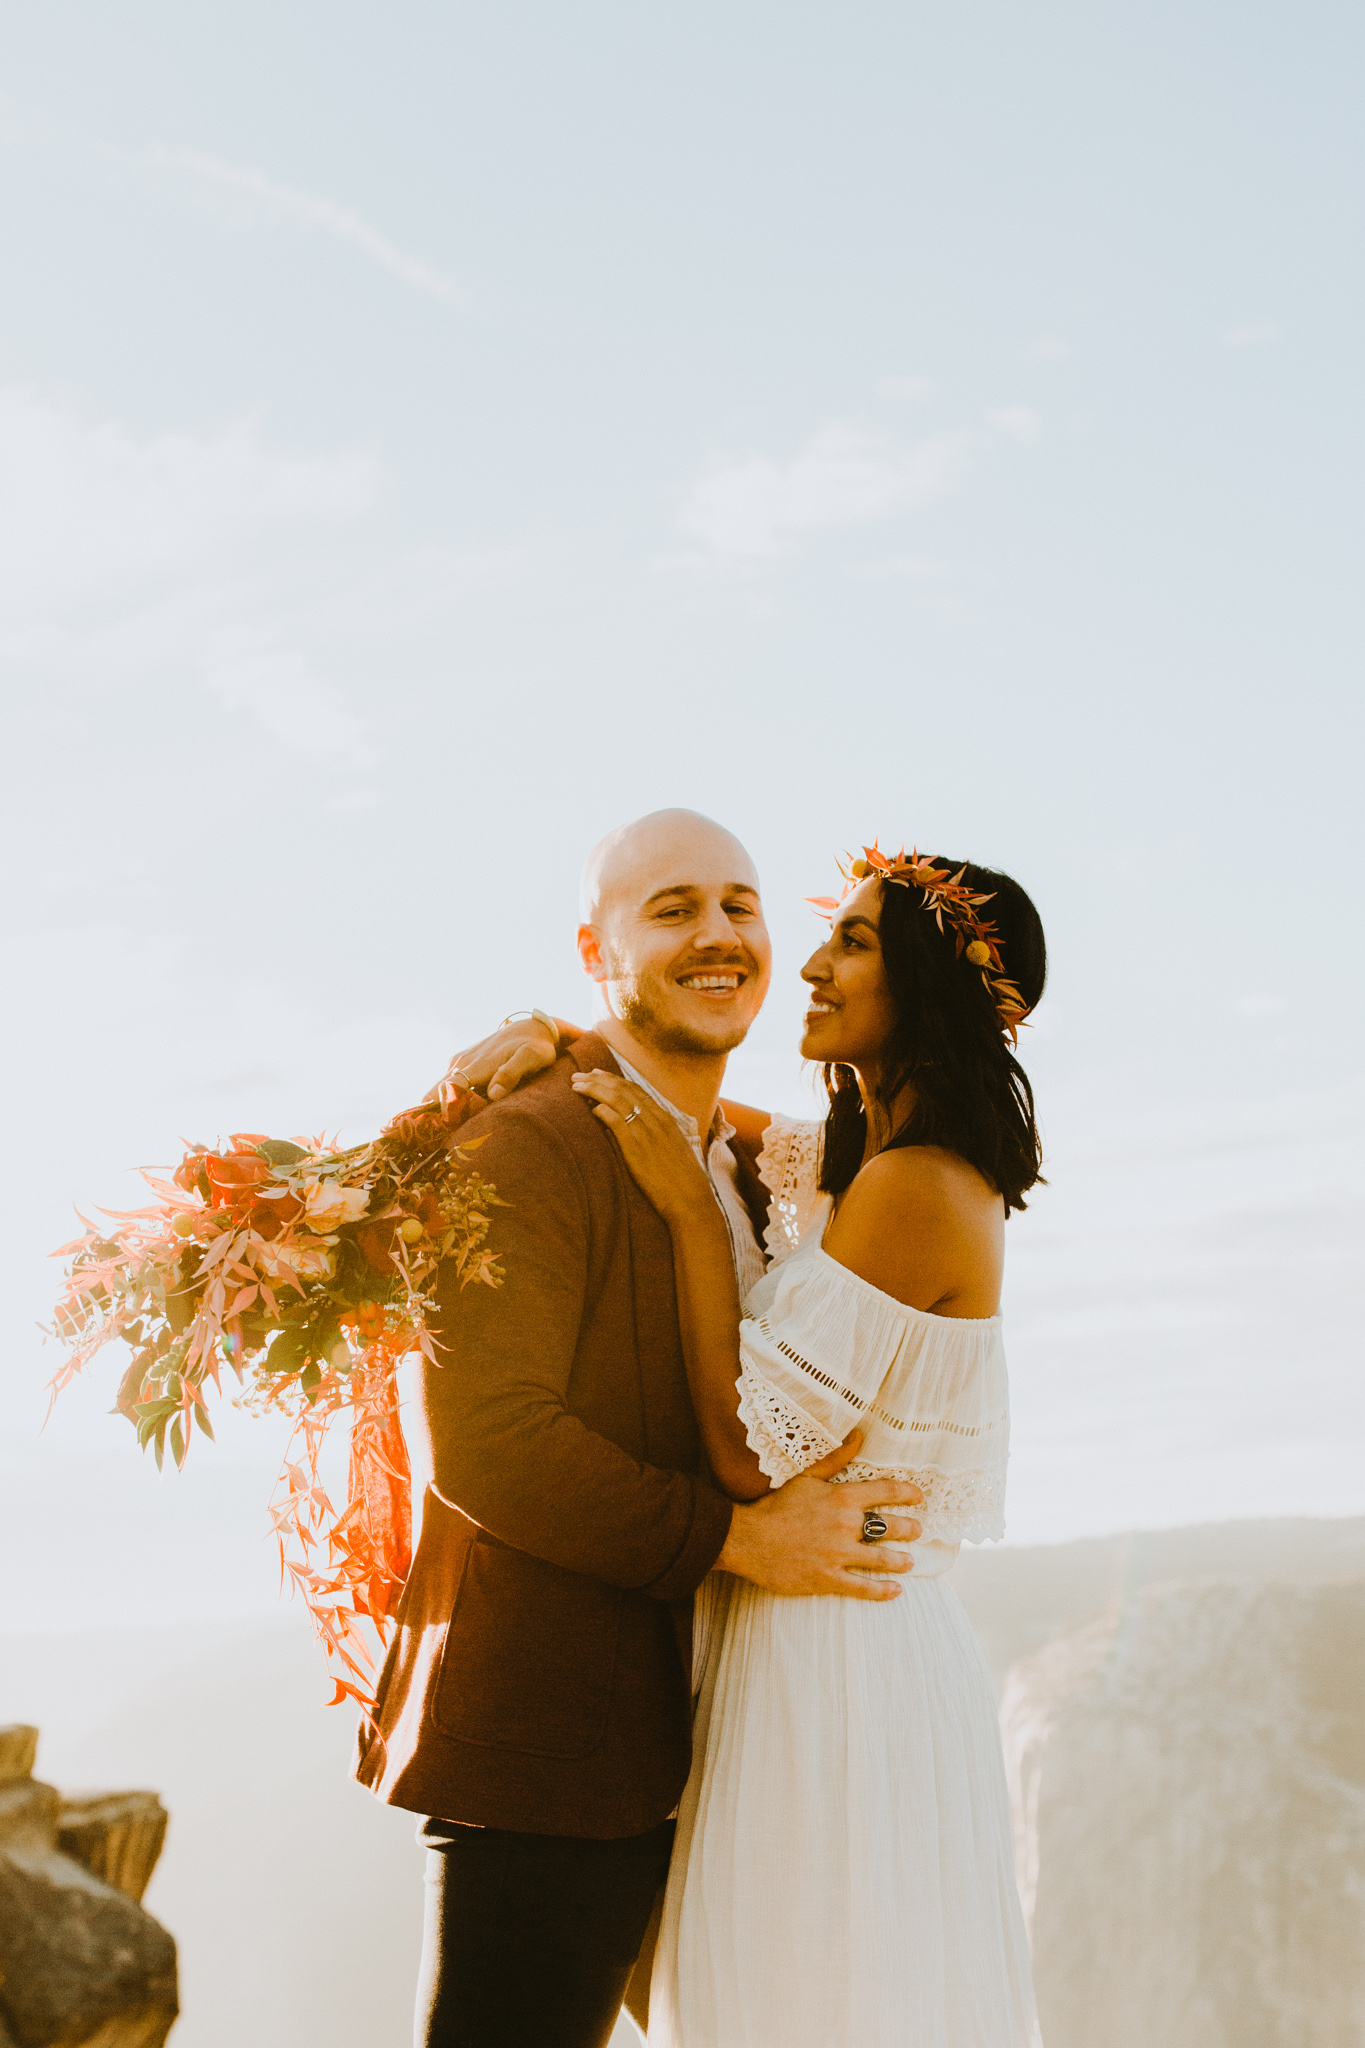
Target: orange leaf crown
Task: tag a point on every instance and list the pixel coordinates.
(946, 895)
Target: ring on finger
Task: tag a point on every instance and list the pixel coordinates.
(450, 1071)
(874, 1527)
(631, 1118)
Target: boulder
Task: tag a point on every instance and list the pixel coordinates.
(81, 1964)
(117, 1835)
(1188, 1779)
(18, 1748)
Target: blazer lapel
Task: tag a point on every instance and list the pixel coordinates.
(664, 1393)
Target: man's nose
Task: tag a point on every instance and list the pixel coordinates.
(715, 931)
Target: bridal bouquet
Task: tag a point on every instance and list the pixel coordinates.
(310, 1273)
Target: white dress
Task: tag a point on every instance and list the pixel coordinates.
(843, 1874)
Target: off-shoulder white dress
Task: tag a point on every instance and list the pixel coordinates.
(843, 1875)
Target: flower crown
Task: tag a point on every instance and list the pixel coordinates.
(945, 895)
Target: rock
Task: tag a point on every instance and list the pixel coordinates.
(1188, 1778)
(29, 1816)
(118, 1835)
(81, 1964)
(18, 1748)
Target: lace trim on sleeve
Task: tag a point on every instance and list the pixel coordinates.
(781, 1437)
(959, 1507)
(789, 1166)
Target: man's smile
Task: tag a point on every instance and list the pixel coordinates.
(723, 982)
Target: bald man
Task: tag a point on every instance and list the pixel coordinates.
(536, 1703)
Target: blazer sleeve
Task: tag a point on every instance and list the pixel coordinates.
(505, 1450)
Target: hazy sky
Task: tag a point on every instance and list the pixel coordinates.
(431, 435)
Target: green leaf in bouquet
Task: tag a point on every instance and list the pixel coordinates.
(311, 1378)
(201, 1416)
(287, 1353)
(178, 1442)
(280, 1152)
(180, 1308)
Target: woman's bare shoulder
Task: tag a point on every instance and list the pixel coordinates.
(923, 1226)
(924, 1173)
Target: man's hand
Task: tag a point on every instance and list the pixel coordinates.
(502, 1061)
(806, 1536)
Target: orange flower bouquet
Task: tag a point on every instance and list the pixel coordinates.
(310, 1273)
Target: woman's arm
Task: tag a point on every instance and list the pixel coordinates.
(749, 1124)
(669, 1174)
(708, 1316)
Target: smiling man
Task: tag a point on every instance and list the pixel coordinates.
(537, 1700)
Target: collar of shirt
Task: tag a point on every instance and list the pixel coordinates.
(718, 1162)
(721, 1132)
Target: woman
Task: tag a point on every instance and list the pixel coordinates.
(843, 1868)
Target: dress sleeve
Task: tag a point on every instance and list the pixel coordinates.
(821, 1349)
(789, 1167)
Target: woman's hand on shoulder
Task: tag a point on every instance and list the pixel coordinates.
(659, 1157)
(923, 1226)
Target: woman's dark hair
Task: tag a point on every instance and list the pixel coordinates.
(972, 1096)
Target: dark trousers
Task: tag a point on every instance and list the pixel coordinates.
(530, 1939)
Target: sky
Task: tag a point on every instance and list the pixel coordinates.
(429, 437)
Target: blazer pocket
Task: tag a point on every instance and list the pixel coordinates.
(530, 1656)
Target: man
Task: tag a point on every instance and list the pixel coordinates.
(537, 1700)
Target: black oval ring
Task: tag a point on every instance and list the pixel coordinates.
(873, 1527)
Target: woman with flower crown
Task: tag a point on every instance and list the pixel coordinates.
(843, 1866)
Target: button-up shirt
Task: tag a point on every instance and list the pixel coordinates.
(718, 1163)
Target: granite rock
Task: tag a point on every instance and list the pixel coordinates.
(1188, 1778)
(81, 1964)
(117, 1835)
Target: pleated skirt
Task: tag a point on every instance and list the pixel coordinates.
(843, 1875)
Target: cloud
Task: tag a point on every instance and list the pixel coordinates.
(96, 516)
(246, 197)
(1018, 423)
(759, 508)
(920, 389)
(136, 560)
(901, 569)
(1260, 1006)
(1252, 334)
(279, 692)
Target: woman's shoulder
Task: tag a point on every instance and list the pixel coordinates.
(916, 1175)
(921, 1224)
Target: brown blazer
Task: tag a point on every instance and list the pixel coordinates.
(540, 1676)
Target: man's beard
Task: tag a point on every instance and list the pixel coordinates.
(636, 1008)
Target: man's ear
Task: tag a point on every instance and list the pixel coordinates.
(590, 953)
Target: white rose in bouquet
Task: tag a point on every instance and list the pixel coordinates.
(327, 1206)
